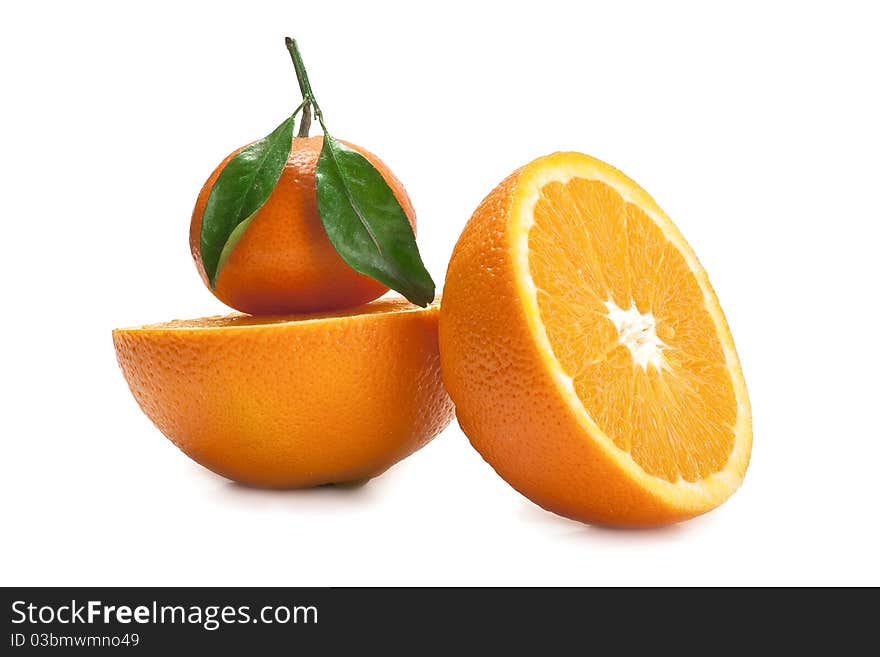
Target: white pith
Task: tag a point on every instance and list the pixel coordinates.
(638, 333)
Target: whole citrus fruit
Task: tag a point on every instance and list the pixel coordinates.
(294, 401)
(284, 262)
(585, 350)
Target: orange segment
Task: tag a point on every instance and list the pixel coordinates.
(586, 352)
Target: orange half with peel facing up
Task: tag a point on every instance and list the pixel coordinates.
(289, 402)
(586, 352)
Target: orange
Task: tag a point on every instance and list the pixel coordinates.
(284, 262)
(586, 352)
(288, 402)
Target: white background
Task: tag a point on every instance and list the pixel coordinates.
(755, 127)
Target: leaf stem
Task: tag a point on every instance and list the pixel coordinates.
(305, 89)
(305, 108)
(305, 123)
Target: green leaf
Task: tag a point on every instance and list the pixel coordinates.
(366, 224)
(242, 187)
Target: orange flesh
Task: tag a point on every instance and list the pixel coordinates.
(239, 320)
(588, 246)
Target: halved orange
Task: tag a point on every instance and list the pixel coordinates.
(586, 352)
(294, 401)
